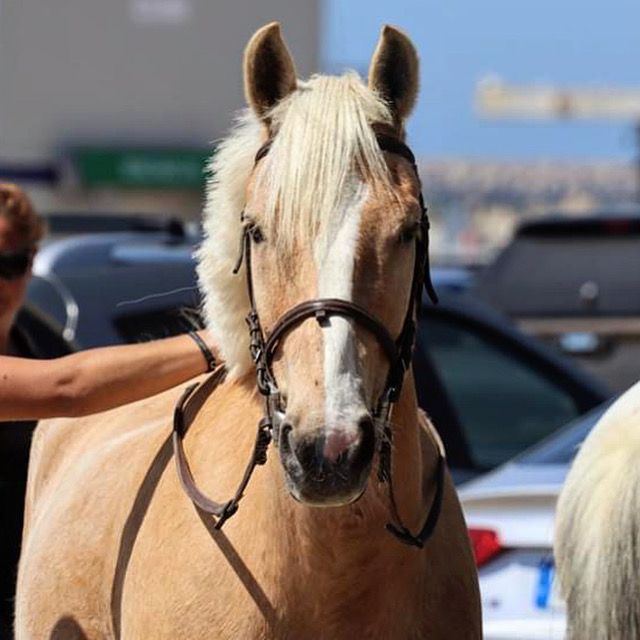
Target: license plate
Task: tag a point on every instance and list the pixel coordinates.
(547, 593)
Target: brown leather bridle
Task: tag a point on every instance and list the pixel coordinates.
(399, 352)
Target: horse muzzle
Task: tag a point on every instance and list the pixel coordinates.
(327, 467)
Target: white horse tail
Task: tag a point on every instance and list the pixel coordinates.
(597, 540)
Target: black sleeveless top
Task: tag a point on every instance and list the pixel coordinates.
(15, 436)
(15, 442)
(32, 336)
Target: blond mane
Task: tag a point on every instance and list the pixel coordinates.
(323, 135)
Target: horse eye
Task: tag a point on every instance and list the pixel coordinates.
(256, 234)
(408, 233)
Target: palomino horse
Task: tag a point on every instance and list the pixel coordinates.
(597, 540)
(332, 228)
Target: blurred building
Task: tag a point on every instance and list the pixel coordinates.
(115, 104)
(475, 205)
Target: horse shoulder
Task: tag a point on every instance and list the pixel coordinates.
(58, 443)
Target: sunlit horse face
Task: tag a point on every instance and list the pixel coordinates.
(333, 217)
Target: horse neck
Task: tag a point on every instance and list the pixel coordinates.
(340, 550)
(358, 573)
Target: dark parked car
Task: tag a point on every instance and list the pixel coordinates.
(574, 283)
(121, 286)
(62, 224)
(490, 390)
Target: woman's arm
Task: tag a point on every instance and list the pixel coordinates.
(97, 379)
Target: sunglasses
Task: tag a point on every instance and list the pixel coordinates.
(14, 265)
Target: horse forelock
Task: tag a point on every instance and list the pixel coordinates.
(323, 138)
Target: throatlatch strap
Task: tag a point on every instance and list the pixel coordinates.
(221, 510)
(400, 531)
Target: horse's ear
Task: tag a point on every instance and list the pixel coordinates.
(393, 72)
(269, 72)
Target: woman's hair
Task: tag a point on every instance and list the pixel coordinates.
(16, 206)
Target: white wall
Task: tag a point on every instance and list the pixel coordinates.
(127, 72)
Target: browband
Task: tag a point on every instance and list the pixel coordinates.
(385, 142)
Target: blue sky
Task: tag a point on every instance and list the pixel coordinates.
(566, 42)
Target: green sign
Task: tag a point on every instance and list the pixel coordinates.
(142, 168)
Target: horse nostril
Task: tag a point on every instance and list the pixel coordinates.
(305, 450)
(286, 431)
(367, 444)
(309, 453)
(365, 424)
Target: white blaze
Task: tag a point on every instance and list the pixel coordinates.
(335, 259)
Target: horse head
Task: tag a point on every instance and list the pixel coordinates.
(327, 215)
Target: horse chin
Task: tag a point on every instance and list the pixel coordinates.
(327, 493)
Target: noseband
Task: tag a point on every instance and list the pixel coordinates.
(399, 352)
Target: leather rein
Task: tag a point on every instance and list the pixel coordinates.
(399, 352)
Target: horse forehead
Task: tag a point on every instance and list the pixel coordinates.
(385, 210)
(376, 215)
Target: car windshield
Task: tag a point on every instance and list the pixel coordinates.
(562, 446)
